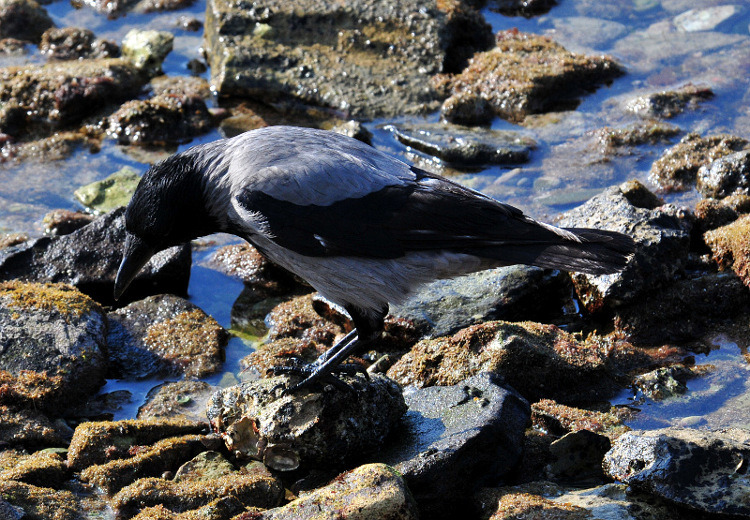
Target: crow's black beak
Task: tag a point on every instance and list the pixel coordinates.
(137, 254)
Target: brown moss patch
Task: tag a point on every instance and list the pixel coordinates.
(730, 246)
(524, 506)
(560, 419)
(29, 388)
(62, 298)
(42, 468)
(40, 503)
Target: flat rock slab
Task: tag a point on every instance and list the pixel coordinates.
(365, 58)
(51, 344)
(699, 469)
(454, 436)
(164, 335)
(89, 258)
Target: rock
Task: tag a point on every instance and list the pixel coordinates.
(164, 334)
(64, 92)
(312, 428)
(96, 443)
(31, 428)
(635, 135)
(250, 490)
(161, 120)
(42, 468)
(537, 360)
(245, 262)
(89, 259)
(12, 239)
(52, 345)
(146, 49)
(524, 506)
(146, 461)
(465, 146)
(577, 457)
(525, 8)
(677, 169)
(178, 400)
(189, 23)
(223, 508)
(40, 502)
(708, 19)
(712, 213)
(595, 33)
(662, 237)
(10, 512)
(445, 306)
(151, 6)
(63, 222)
(23, 20)
(369, 492)
(72, 43)
(363, 59)
(110, 193)
(455, 437)
(181, 86)
(559, 419)
(354, 129)
(282, 352)
(663, 383)
(525, 74)
(299, 318)
(725, 176)
(204, 466)
(669, 103)
(12, 46)
(729, 246)
(699, 469)
(53, 148)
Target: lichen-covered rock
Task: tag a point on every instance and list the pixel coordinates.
(23, 20)
(52, 344)
(224, 508)
(206, 465)
(324, 427)
(110, 193)
(526, 74)
(180, 399)
(559, 419)
(103, 441)
(64, 92)
(369, 492)
(730, 246)
(725, 176)
(88, 259)
(662, 237)
(164, 334)
(42, 468)
(537, 360)
(713, 213)
(669, 103)
(64, 222)
(525, 506)
(72, 43)
(455, 436)
(698, 469)
(677, 168)
(635, 134)
(299, 318)
(146, 49)
(462, 146)
(26, 427)
(41, 502)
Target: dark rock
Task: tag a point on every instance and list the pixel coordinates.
(152, 6)
(11, 46)
(725, 176)
(465, 146)
(559, 419)
(181, 86)
(160, 120)
(677, 169)
(100, 407)
(64, 92)
(467, 30)
(662, 238)
(699, 469)
(324, 428)
(246, 263)
(10, 512)
(30, 428)
(577, 458)
(282, 352)
(455, 437)
(41, 502)
(23, 19)
(64, 222)
(669, 103)
(42, 468)
(369, 492)
(89, 259)
(52, 345)
(525, 8)
(72, 43)
(509, 293)
(164, 334)
(712, 213)
(196, 66)
(663, 383)
(181, 399)
(96, 443)
(188, 23)
(729, 246)
(527, 74)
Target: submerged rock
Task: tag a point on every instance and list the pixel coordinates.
(52, 345)
(669, 103)
(699, 469)
(163, 335)
(463, 146)
(23, 20)
(663, 383)
(726, 176)
(181, 399)
(524, 74)
(110, 193)
(455, 437)
(325, 427)
(89, 259)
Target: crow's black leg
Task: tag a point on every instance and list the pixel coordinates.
(367, 329)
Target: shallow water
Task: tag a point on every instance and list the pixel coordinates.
(561, 173)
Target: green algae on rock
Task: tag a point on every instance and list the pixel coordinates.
(110, 193)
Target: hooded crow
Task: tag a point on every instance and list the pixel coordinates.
(362, 227)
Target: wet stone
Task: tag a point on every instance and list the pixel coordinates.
(713, 213)
(12, 46)
(299, 318)
(699, 469)
(524, 504)
(52, 345)
(526, 74)
(146, 49)
(669, 103)
(85, 259)
(729, 247)
(72, 43)
(354, 129)
(180, 85)
(662, 237)
(42, 468)
(110, 193)
(164, 334)
(462, 146)
(224, 508)
(525, 8)
(325, 427)
(180, 399)
(63, 222)
(40, 502)
(454, 437)
(559, 419)
(246, 263)
(677, 169)
(52, 148)
(726, 176)
(31, 428)
(663, 383)
(12, 239)
(151, 6)
(369, 492)
(635, 135)
(23, 20)
(204, 466)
